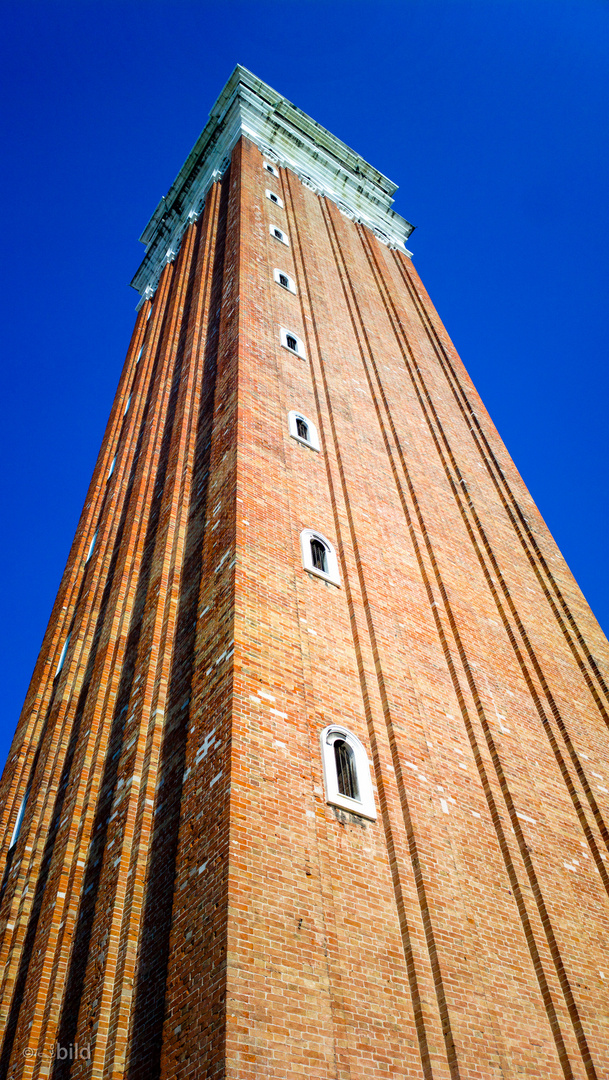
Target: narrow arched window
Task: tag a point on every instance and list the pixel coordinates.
(290, 341)
(279, 234)
(319, 556)
(302, 429)
(282, 278)
(346, 771)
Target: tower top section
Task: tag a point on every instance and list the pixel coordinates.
(288, 137)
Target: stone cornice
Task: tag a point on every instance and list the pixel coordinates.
(287, 136)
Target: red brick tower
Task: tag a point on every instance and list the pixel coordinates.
(312, 778)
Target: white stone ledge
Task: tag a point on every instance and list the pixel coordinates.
(288, 137)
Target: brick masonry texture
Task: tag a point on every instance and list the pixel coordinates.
(181, 901)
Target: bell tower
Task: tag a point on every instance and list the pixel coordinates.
(312, 777)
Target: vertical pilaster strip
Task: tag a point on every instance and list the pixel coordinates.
(82, 774)
(37, 837)
(182, 461)
(194, 1025)
(415, 961)
(15, 776)
(151, 970)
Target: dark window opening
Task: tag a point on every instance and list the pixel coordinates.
(273, 198)
(345, 769)
(302, 429)
(278, 234)
(291, 342)
(283, 280)
(319, 555)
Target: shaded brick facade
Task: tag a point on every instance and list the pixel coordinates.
(181, 901)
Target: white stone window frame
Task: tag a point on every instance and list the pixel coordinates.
(270, 168)
(308, 183)
(346, 210)
(275, 198)
(19, 820)
(333, 574)
(92, 546)
(365, 805)
(313, 441)
(291, 285)
(382, 236)
(63, 654)
(282, 238)
(299, 350)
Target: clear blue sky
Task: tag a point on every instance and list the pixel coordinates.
(491, 115)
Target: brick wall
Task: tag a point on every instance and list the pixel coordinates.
(181, 899)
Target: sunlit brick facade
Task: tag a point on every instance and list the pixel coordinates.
(179, 897)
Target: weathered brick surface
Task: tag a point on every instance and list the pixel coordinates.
(181, 900)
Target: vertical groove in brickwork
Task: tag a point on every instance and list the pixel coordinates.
(339, 991)
(539, 565)
(490, 461)
(194, 1015)
(76, 755)
(520, 523)
(371, 388)
(505, 789)
(145, 712)
(409, 958)
(459, 489)
(332, 1002)
(106, 605)
(412, 840)
(337, 982)
(42, 826)
(88, 954)
(150, 976)
(184, 441)
(426, 403)
(110, 445)
(38, 697)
